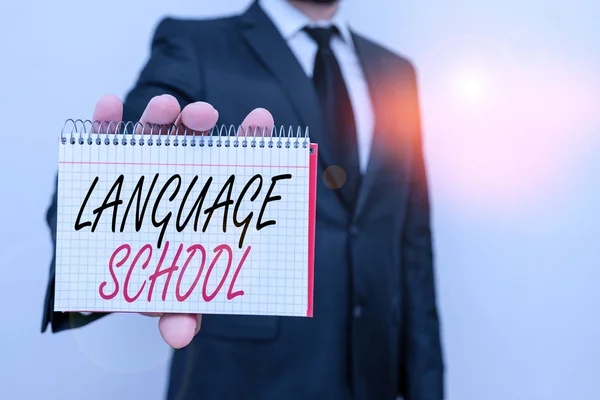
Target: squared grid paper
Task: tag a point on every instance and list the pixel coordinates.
(275, 276)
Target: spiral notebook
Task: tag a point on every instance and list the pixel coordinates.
(160, 220)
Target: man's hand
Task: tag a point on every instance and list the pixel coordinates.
(178, 330)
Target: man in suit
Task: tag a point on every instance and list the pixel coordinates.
(375, 330)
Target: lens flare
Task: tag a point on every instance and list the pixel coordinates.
(471, 87)
(501, 133)
(124, 343)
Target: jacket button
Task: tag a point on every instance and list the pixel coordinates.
(357, 312)
(353, 230)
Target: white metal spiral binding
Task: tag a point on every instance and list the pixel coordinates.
(136, 133)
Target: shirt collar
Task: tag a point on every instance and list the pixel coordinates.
(290, 21)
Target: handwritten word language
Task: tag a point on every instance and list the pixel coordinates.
(224, 200)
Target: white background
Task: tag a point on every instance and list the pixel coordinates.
(510, 92)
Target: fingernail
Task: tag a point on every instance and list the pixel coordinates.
(198, 323)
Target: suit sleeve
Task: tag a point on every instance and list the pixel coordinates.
(422, 372)
(172, 68)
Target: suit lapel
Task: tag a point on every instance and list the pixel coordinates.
(276, 56)
(273, 52)
(374, 71)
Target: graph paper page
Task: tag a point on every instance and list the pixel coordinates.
(185, 229)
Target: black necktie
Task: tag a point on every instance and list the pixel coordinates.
(337, 113)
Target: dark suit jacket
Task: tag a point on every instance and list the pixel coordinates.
(375, 331)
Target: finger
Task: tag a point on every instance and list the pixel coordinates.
(258, 123)
(199, 117)
(152, 314)
(160, 113)
(109, 108)
(178, 330)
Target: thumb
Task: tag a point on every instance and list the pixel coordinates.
(178, 330)
(259, 122)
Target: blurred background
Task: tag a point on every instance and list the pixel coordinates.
(510, 95)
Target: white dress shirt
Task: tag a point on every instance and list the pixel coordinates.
(290, 22)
